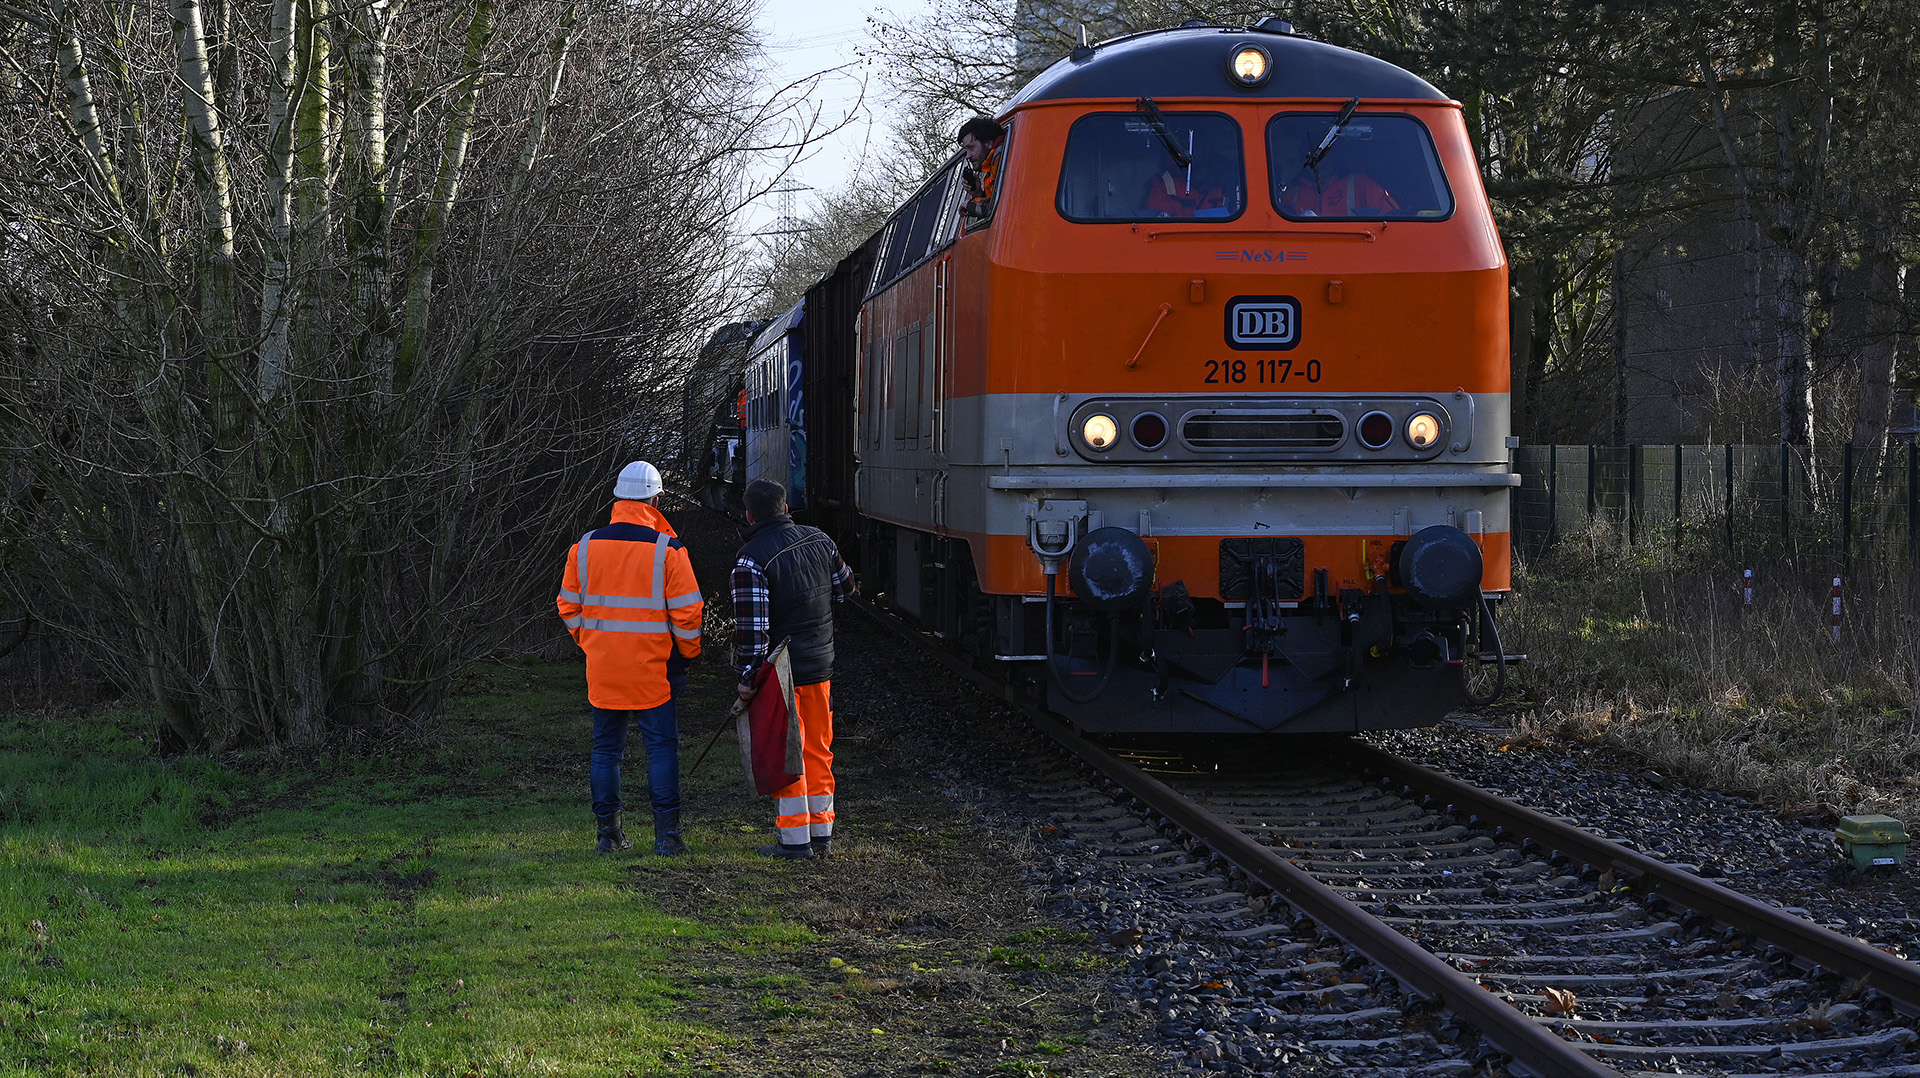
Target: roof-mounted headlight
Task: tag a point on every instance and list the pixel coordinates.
(1249, 65)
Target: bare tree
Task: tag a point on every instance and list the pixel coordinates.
(919, 141)
(323, 326)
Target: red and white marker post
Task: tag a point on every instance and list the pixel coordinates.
(1836, 610)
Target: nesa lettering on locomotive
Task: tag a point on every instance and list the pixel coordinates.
(1197, 421)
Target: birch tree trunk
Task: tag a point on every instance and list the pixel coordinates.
(1876, 342)
(281, 106)
(453, 161)
(83, 110)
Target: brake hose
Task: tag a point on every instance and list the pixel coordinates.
(1053, 668)
(1492, 635)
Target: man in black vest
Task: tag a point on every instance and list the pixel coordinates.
(785, 583)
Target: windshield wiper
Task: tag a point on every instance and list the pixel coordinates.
(1320, 151)
(1159, 124)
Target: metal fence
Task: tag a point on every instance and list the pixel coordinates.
(1831, 503)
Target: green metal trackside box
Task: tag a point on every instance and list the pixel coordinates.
(1872, 841)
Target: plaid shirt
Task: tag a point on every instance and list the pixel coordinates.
(753, 611)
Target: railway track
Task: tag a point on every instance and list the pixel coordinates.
(1391, 919)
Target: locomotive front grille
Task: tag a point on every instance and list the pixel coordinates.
(1248, 431)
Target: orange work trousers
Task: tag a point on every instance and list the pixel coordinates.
(803, 809)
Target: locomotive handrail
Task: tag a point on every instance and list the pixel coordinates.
(1102, 479)
(1165, 309)
(1367, 234)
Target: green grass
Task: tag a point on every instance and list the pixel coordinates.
(421, 912)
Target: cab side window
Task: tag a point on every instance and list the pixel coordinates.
(920, 229)
(1136, 166)
(1375, 167)
(980, 187)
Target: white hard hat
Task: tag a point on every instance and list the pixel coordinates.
(638, 482)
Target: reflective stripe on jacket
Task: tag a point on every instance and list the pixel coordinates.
(631, 602)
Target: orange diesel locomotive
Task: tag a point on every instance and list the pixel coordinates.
(1201, 420)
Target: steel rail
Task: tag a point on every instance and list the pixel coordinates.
(1895, 978)
(1532, 1045)
(1539, 1050)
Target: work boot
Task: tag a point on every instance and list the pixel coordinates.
(612, 838)
(666, 834)
(799, 851)
(822, 845)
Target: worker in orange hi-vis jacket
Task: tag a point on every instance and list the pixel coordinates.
(1309, 194)
(981, 142)
(785, 581)
(631, 602)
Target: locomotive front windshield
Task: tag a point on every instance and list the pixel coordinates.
(1147, 164)
(1369, 168)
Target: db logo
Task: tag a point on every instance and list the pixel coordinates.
(1263, 323)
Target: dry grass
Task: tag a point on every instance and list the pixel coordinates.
(1651, 652)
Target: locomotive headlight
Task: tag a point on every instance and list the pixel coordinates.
(1149, 430)
(1376, 430)
(1423, 430)
(1099, 431)
(1249, 65)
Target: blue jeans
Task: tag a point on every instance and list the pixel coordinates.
(660, 732)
